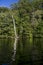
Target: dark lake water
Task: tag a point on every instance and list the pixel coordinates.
(6, 50)
(27, 53)
(30, 52)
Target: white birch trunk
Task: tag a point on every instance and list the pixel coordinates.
(16, 38)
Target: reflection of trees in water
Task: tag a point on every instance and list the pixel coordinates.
(37, 51)
(32, 55)
(6, 50)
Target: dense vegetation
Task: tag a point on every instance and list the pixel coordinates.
(28, 17)
(6, 24)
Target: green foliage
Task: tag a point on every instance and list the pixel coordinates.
(28, 17)
(29, 20)
(3, 9)
(26, 14)
(6, 25)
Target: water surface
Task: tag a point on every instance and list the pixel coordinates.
(6, 50)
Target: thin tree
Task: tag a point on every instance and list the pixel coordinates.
(16, 39)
